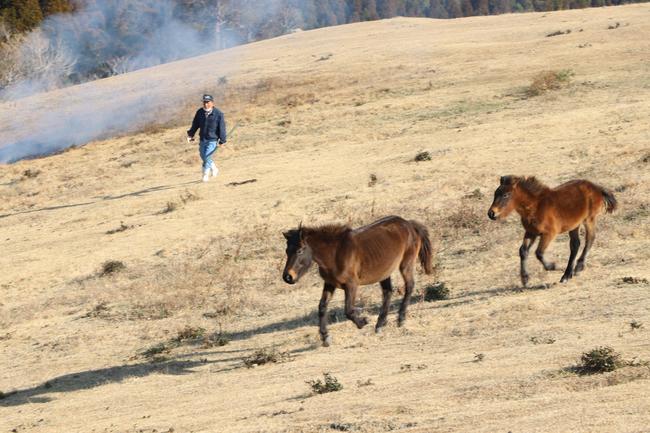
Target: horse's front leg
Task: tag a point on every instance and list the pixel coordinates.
(529, 240)
(328, 291)
(350, 312)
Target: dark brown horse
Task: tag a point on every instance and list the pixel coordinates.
(348, 258)
(545, 212)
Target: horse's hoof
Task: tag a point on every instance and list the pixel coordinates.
(565, 278)
(579, 268)
(400, 322)
(327, 341)
(378, 330)
(524, 280)
(362, 322)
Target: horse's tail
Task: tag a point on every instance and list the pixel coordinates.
(425, 253)
(608, 197)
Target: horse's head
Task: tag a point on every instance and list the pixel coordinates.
(299, 256)
(503, 203)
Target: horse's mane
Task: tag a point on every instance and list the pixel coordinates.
(532, 185)
(327, 232)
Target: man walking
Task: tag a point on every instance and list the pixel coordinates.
(209, 120)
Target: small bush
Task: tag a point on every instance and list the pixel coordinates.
(466, 218)
(599, 360)
(436, 292)
(548, 80)
(373, 180)
(423, 156)
(331, 384)
(111, 267)
(189, 333)
(265, 356)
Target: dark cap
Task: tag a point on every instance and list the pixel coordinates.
(208, 98)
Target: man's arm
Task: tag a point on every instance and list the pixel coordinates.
(222, 129)
(194, 127)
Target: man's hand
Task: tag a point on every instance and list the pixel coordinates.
(190, 139)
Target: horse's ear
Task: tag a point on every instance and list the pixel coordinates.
(506, 180)
(286, 235)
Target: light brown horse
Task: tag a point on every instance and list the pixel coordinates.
(348, 258)
(545, 212)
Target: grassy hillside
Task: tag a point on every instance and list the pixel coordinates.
(329, 123)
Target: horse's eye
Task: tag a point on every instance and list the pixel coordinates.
(301, 250)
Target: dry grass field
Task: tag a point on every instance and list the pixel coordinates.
(329, 124)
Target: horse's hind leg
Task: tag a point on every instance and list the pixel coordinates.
(407, 274)
(544, 242)
(529, 240)
(328, 291)
(387, 291)
(590, 235)
(574, 235)
(350, 311)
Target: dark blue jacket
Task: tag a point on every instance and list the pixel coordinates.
(212, 126)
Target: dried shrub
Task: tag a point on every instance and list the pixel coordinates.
(436, 292)
(548, 80)
(189, 333)
(330, 384)
(31, 174)
(423, 156)
(265, 356)
(169, 207)
(111, 267)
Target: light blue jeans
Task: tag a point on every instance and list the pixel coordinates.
(206, 149)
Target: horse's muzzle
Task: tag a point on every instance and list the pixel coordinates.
(492, 215)
(288, 278)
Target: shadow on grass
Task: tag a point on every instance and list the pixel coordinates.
(95, 378)
(139, 193)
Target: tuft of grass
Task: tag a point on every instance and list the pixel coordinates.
(330, 384)
(613, 26)
(412, 367)
(436, 292)
(98, 311)
(265, 356)
(362, 383)
(123, 227)
(542, 340)
(215, 340)
(634, 280)
(478, 357)
(169, 207)
(475, 195)
(558, 33)
(111, 267)
(548, 80)
(466, 218)
(599, 360)
(373, 180)
(423, 156)
(636, 325)
(154, 352)
(189, 333)
(31, 174)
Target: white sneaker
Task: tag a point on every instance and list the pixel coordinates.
(206, 175)
(214, 169)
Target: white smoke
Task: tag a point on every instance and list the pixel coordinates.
(149, 34)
